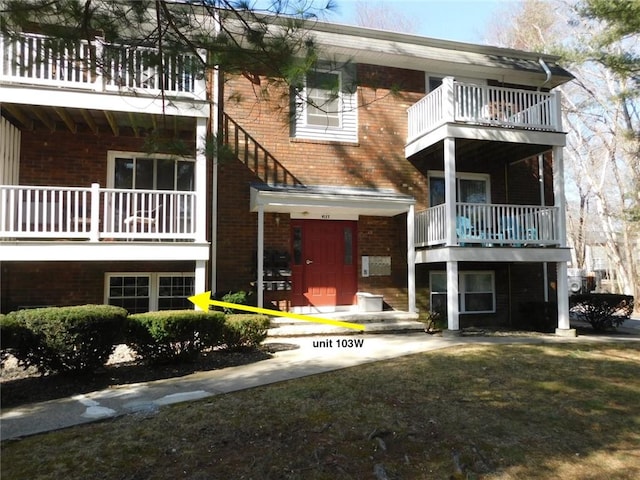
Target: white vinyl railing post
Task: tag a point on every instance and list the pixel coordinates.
(448, 100)
(94, 232)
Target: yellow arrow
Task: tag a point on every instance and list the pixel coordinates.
(203, 300)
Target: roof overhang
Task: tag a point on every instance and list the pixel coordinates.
(347, 43)
(329, 203)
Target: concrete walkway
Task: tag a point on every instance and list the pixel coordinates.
(294, 358)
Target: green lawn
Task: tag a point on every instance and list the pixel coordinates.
(565, 411)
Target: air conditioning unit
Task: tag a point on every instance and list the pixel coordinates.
(577, 281)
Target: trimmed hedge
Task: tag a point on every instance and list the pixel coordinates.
(245, 330)
(603, 311)
(59, 339)
(15, 338)
(174, 335)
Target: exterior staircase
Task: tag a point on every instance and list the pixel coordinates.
(241, 145)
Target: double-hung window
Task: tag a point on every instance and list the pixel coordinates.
(146, 292)
(323, 99)
(476, 292)
(325, 108)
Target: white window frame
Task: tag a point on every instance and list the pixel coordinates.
(462, 291)
(347, 129)
(112, 155)
(306, 103)
(154, 284)
(461, 176)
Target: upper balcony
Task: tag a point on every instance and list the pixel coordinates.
(476, 108)
(46, 64)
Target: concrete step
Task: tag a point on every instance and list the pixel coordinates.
(374, 322)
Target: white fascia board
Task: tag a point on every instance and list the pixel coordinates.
(295, 203)
(493, 254)
(481, 132)
(102, 251)
(26, 95)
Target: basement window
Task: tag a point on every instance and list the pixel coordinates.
(147, 292)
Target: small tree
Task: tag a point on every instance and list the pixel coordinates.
(603, 311)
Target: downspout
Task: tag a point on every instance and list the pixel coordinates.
(545, 273)
(215, 108)
(547, 72)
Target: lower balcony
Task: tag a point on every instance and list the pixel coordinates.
(96, 214)
(489, 225)
(490, 233)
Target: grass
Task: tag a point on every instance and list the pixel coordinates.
(509, 412)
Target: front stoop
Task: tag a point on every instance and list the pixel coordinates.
(374, 322)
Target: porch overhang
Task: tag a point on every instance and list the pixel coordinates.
(330, 203)
(483, 132)
(493, 254)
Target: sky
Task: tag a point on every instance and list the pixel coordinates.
(459, 20)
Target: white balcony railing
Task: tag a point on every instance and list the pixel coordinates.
(40, 60)
(489, 225)
(483, 105)
(96, 213)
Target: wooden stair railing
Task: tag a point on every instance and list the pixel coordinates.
(249, 151)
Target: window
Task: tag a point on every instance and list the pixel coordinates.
(140, 172)
(325, 106)
(173, 291)
(434, 82)
(146, 292)
(130, 292)
(470, 188)
(476, 292)
(323, 99)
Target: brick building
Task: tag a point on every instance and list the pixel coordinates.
(429, 172)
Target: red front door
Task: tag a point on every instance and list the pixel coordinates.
(323, 262)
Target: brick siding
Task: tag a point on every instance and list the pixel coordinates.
(377, 161)
(67, 283)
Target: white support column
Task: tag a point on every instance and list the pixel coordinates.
(562, 288)
(453, 315)
(558, 194)
(411, 259)
(450, 190)
(260, 279)
(200, 274)
(201, 180)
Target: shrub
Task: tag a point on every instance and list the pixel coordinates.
(239, 298)
(15, 338)
(170, 336)
(58, 339)
(603, 311)
(244, 330)
(433, 321)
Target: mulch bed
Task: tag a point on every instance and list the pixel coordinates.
(19, 386)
